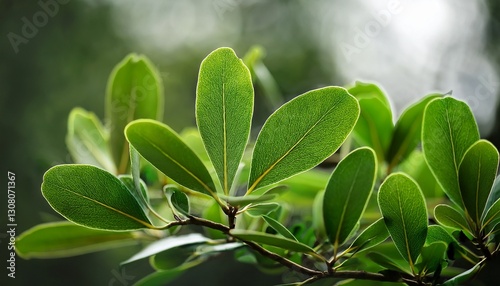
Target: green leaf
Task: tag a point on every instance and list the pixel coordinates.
(301, 134)
(261, 209)
(374, 127)
(405, 214)
(224, 107)
(463, 277)
(272, 240)
(492, 216)
(347, 194)
(494, 194)
(388, 262)
(248, 199)
(476, 175)
(450, 217)
(166, 244)
(438, 233)
(163, 148)
(87, 140)
(278, 227)
(368, 90)
(432, 256)
(408, 130)
(86, 194)
(448, 130)
(134, 91)
(64, 239)
(373, 235)
(162, 278)
(181, 202)
(128, 181)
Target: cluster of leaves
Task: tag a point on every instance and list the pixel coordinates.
(139, 180)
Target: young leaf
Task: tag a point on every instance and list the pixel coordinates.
(163, 148)
(64, 239)
(374, 127)
(301, 134)
(86, 194)
(248, 199)
(347, 194)
(494, 194)
(278, 227)
(166, 244)
(181, 202)
(224, 107)
(476, 175)
(408, 130)
(273, 240)
(261, 209)
(373, 235)
(368, 90)
(448, 216)
(87, 140)
(448, 130)
(405, 214)
(128, 181)
(134, 91)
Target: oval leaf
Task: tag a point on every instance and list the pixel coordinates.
(492, 216)
(224, 107)
(448, 216)
(476, 175)
(448, 130)
(134, 91)
(64, 239)
(347, 194)
(373, 235)
(301, 134)
(405, 214)
(273, 240)
(87, 141)
(279, 228)
(86, 194)
(261, 209)
(368, 90)
(162, 147)
(408, 130)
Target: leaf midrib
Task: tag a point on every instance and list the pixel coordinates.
(407, 244)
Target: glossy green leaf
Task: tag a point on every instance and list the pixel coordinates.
(261, 209)
(448, 216)
(87, 140)
(494, 193)
(163, 148)
(368, 90)
(347, 194)
(166, 244)
(301, 134)
(128, 181)
(134, 91)
(463, 277)
(492, 216)
(448, 130)
(278, 227)
(86, 194)
(373, 235)
(224, 107)
(173, 257)
(438, 233)
(476, 175)
(408, 130)
(248, 199)
(374, 127)
(181, 202)
(432, 256)
(272, 240)
(64, 239)
(405, 214)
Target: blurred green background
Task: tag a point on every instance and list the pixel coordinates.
(55, 55)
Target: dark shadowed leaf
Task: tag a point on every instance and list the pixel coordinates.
(373, 235)
(224, 107)
(134, 91)
(301, 134)
(86, 194)
(448, 130)
(450, 217)
(347, 194)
